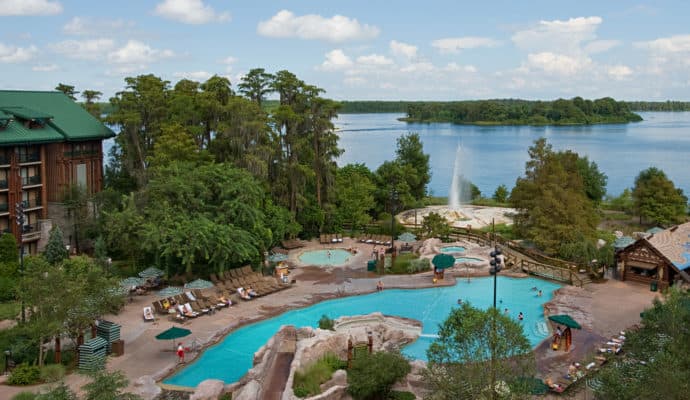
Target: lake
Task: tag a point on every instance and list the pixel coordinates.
(495, 155)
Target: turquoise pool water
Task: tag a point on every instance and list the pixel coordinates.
(467, 259)
(453, 249)
(325, 257)
(232, 357)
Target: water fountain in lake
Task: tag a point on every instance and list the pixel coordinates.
(458, 213)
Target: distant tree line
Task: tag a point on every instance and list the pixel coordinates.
(667, 105)
(576, 111)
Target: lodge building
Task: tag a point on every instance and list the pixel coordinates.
(662, 257)
(47, 144)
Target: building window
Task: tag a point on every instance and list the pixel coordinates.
(81, 175)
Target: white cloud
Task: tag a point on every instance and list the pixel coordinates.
(418, 67)
(29, 7)
(403, 49)
(335, 60)
(338, 28)
(600, 46)
(199, 76)
(136, 55)
(355, 81)
(91, 49)
(374, 60)
(82, 26)
(13, 54)
(619, 72)
(558, 36)
(189, 12)
(557, 64)
(667, 45)
(228, 61)
(44, 68)
(453, 45)
(455, 67)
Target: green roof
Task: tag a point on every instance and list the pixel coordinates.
(26, 113)
(4, 116)
(64, 119)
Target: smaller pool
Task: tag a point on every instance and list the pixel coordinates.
(467, 260)
(325, 257)
(453, 249)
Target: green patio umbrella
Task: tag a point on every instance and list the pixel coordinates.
(132, 281)
(566, 320)
(198, 284)
(170, 291)
(277, 257)
(173, 333)
(151, 272)
(407, 237)
(443, 261)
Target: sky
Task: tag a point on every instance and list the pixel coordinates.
(358, 50)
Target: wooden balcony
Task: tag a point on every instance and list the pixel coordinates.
(31, 232)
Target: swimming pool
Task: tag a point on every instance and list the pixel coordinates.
(233, 356)
(453, 249)
(467, 260)
(325, 257)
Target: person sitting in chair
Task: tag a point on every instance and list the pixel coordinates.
(251, 292)
(243, 293)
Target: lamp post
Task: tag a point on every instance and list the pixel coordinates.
(8, 354)
(496, 267)
(394, 198)
(19, 216)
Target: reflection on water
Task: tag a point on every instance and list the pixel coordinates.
(497, 154)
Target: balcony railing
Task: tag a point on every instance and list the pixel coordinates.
(4, 207)
(82, 153)
(4, 160)
(29, 157)
(33, 203)
(3, 184)
(31, 180)
(31, 231)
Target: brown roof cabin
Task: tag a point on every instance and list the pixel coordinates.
(662, 256)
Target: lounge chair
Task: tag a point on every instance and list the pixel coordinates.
(187, 312)
(148, 314)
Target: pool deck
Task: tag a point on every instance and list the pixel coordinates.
(614, 306)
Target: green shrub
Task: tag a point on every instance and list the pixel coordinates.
(9, 310)
(326, 323)
(8, 287)
(373, 375)
(419, 265)
(225, 396)
(24, 374)
(396, 395)
(24, 396)
(52, 372)
(308, 382)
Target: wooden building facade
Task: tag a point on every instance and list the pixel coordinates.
(47, 144)
(662, 257)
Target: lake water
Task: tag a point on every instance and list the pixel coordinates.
(496, 155)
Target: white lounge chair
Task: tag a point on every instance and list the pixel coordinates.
(148, 314)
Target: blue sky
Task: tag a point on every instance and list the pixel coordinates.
(388, 50)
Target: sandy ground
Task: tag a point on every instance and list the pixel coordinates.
(614, 307)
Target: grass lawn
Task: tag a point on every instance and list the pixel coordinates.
(9, 310)
(402, 261)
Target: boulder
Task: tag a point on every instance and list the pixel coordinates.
(146, 387)
(210, 389)
(339, 378)
(250, 391)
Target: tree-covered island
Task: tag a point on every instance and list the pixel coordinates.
(576, 111)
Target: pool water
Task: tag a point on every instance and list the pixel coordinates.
(467, 259)
(453, 249)
(325, 257)
(233, 356)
